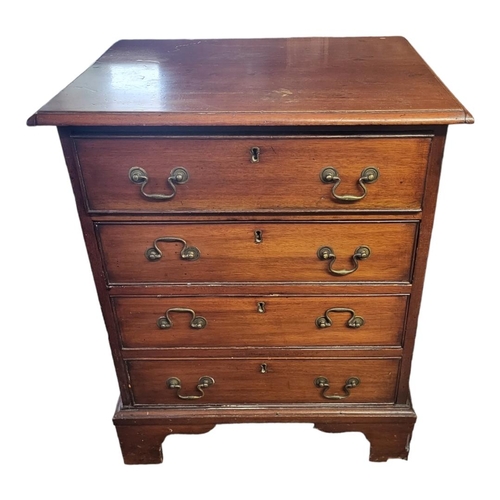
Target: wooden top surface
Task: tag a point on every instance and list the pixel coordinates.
(298, 81)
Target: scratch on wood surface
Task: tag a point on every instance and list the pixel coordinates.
(283, 92)
(85, 88)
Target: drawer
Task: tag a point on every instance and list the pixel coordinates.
(257, 252)
(223, 175)
(155, 322)
(240, 381)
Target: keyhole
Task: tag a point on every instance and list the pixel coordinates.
(255, 154)
(261, 307)
(258, 235)
(263, 368)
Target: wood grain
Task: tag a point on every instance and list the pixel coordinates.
(387, 427)
(298, 81)
(229, 253)
(346, 103)
(222, 177)
(239, 381)
(285, 322)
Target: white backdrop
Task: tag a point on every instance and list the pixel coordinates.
(58, 386)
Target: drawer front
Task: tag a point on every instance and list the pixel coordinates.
(257, 252)
(240, 381)
(224, 176)
(155, 322)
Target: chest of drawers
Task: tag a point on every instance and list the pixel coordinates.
(258, 215)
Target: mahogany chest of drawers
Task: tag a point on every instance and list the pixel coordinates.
(258, 215)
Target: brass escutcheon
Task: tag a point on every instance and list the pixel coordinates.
(258, 234)
(254, 154)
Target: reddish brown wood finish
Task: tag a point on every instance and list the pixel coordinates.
(241, 381)
(389, 430)
(301, 81)
(141, 444)
(387, 440)
(307, 104)
(97, 265)
(229, 253)
(223, 178)
(261, 321)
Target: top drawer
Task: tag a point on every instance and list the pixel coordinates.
(258, 174)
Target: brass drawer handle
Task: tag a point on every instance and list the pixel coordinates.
(187, 253)
(330, 175)
(353, 322)
(178, 175)
(197, 322)
(326, 253)
(204, 383)
(322, 383)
